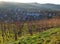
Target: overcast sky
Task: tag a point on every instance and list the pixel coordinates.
(31, 1)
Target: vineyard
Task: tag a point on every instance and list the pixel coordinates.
(10, 32)
(29, 23)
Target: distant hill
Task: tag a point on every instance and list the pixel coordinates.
(52, 7)
(11, 11)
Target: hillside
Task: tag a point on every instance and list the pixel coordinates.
(51, 36)
(12, 12)
(28, 23)
(52, 7)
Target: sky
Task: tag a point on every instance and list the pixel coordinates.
(32, 1)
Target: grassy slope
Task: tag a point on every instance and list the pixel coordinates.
(51, 36)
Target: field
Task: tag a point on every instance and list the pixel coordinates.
(51, 36)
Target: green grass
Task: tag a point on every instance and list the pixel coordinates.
(51, 36)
